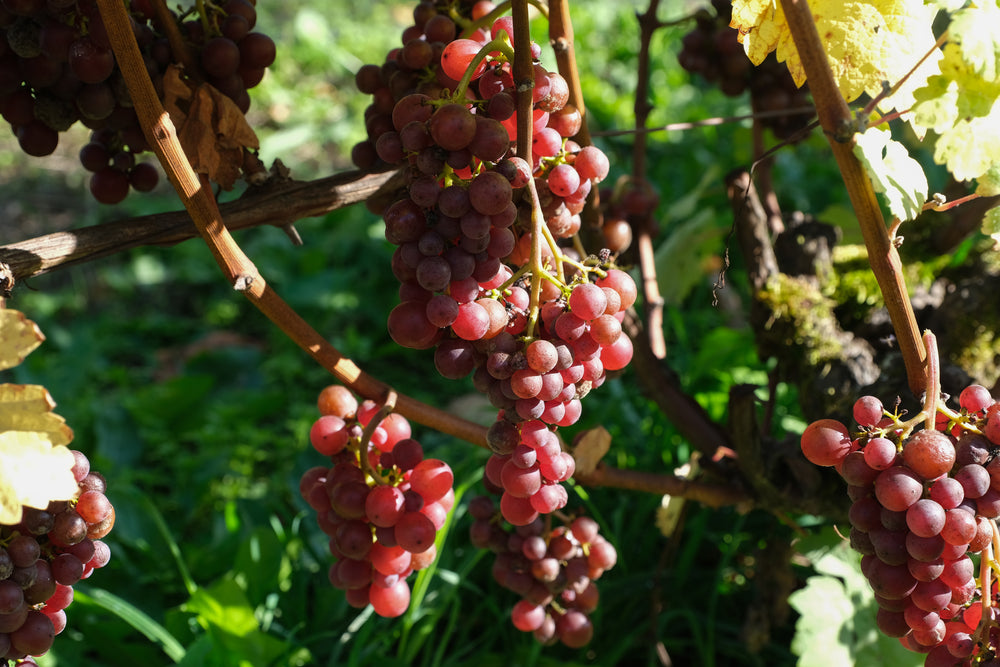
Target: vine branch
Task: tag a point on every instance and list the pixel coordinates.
(644, 228)
(276, 203)
(834, 116)
(561, 40)
(201, 205)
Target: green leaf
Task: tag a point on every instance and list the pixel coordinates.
(991, 223)
(837, 626)
(818, 641)
(223, 604)
(893, 172)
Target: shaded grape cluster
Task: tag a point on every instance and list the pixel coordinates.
(712, 50)
(382, 515)
(923, 503)
(552, 569)
(43, 557)
(57, 69)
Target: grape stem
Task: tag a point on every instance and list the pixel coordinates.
(178, 47)
(495, 13)
(834, 116)
(366, 436)
(986, 565)
(933, 391)
(203, 16)
(498, 44)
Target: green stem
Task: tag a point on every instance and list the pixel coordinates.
(497, 12)
(499, 44)
(203, 16)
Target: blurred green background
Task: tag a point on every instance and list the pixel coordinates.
(197, 410)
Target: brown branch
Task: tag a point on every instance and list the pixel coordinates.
(643, 228)
(524, 78)
(834, 117)
(278, 204)
(561, 40)
(713, 495)
(199, 202)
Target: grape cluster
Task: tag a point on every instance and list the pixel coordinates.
(464, 238)
(713, 51)
(57, 68)
(42, 558)
(381, 513)
(552, 570)
(922, 502)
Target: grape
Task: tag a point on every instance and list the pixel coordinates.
(898, 488)
(975, 398)
(826, 442)
(929, 453)
(431, 478)
(391, 601)
(458, 55)
(563, 180)
(867, 411)
(925, 518)
(592, 164)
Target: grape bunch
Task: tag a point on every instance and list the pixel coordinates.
(42, 558)
(57, 68)
(923, 501)
(553, 570)
(713, 51)
(380, 502)
(444, 107)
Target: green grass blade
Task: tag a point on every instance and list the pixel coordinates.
(136, 618)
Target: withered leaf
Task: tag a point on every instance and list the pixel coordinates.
(211, 128)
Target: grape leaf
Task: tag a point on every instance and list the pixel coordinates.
(989, 182)
(980, 48)
(868, 43)
(29, 408)
(991, 223)
(590, 448)
(837, 612)
(35, 465)
(32, 473)
(18, 337)
(211, 128)
(893, 172)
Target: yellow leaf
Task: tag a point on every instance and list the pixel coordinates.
(32, 473)
(18, 337)
(29, 408)
(868, 43)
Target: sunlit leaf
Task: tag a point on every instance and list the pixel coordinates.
(32, 472)
(18, 337)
